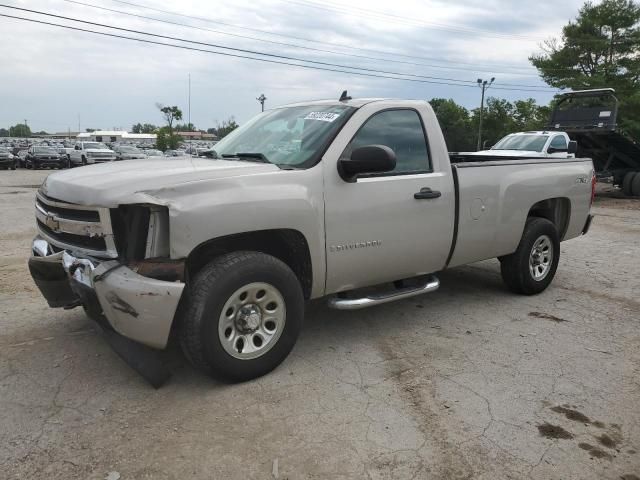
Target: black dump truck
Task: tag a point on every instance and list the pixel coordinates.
(590, 117)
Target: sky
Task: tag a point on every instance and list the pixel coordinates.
(59, 79)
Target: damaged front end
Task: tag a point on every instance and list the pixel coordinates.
(113, 262)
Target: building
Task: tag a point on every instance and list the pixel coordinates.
(197, 136)
(113, 136)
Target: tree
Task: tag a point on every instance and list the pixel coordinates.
(165, 140)
(170, 114)
(187, 127)
(4, 132)
(599, 49)
(146, 128)
(226, 127)
(455, 123)
(90, 130)
(20, 130)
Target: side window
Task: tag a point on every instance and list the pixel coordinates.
(400, 130)
(559, 142)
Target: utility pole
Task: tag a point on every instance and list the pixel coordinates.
(25, 129)
(189, 115)
(262, 99)
(484, 85)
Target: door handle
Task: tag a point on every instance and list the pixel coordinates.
(426, 193)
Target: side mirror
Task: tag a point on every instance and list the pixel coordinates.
(367, 159)
(573, 147)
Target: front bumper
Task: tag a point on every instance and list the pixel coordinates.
(137, 307)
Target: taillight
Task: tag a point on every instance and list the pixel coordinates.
(594, 180)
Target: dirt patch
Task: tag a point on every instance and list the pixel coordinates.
(595, 452)
(571, 414)
(607, 441)
(554, 431)
(547, 316)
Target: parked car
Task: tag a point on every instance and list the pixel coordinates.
(85, 153)
(22, 155)
(42, 156)
(7, 159)
(127, 152)
(533, 144)
(370, 197)
(153, 153)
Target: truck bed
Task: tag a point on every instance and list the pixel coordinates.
(495, 194)
(464, 158)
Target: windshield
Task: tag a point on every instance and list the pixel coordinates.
(286, 136)
(529, 143)
(94, 145)
(45, 150)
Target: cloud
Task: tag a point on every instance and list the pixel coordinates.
(50, 75)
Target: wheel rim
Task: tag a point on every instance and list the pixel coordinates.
(252, 321)
(541, 258)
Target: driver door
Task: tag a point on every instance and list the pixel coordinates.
(376, 229)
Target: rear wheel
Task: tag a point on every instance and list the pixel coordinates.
(627, 182)
(531, 268)
(635, 185)
(242, 316)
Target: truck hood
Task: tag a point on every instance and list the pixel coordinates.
(115, 183)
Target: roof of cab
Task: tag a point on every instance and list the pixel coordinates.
(355, 102)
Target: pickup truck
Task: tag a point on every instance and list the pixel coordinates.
(85, 153)
(533, 144)
(223, 253)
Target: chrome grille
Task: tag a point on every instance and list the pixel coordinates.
(75, 227)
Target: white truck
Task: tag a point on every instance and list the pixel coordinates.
(85, 153)
(223, 253)
(533, 144)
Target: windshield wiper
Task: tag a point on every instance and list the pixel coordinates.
(247, 155)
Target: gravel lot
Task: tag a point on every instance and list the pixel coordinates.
(468, 382)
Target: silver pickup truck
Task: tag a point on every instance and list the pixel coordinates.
(309, 200)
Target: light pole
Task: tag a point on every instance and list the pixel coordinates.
(261, 99)
(484, 85)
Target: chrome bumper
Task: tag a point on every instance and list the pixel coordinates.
(137, 307)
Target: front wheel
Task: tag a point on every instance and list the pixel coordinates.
(242, 316)
(531, 268)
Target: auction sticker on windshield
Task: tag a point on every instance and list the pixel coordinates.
(322, 116)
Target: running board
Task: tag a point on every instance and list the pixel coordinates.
(369, 301)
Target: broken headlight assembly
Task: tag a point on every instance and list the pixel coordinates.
(142, 241)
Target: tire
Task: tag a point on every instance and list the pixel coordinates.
(84, 160)
(626, 183)
(635, 185)
(214, 341)
(518, 268)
